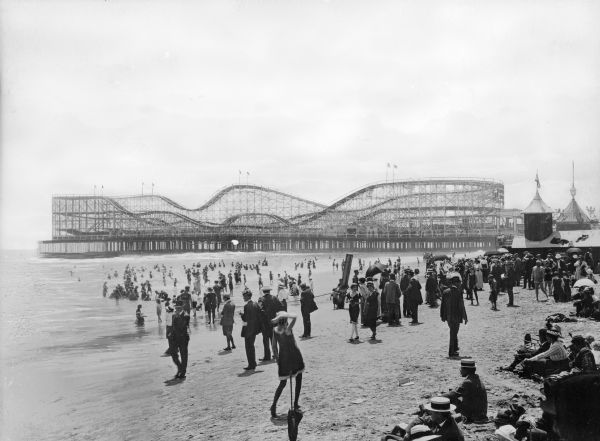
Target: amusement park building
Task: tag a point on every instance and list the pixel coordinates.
(401, 215)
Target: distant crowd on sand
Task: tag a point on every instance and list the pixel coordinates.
(381, 293)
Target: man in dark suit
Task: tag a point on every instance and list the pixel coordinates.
(470, 398)
(269, 306)
(452, 311)
(180, 338)
(307, 300)
(415, 298)
(251, 327)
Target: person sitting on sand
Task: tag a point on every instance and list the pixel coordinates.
(583, 360)
(437, 416)
(470, 398)
(552, 361)
(527, 349)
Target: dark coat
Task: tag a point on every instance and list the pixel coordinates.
(473, 398)
(391, 292)
(307, 299)
(413, 293)
(453, 309)
(252, 319)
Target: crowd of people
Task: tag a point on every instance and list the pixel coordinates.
(385, 296)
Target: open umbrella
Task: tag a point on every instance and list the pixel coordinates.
(583, 282)
(480, 252)
(376, 268)
(440, 257)
(502, 250)
(574, 250)
(493, 253)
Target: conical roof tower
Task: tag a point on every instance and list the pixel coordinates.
(573, 217)
(537, 217)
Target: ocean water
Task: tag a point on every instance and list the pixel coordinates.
(74, 362)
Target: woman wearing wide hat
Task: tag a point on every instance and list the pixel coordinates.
(552, 361)
(290, 363)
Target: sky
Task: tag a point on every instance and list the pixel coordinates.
(312, 98)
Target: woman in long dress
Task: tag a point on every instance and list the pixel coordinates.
(478, 275)
(289, 359)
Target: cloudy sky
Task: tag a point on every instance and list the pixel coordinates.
(310, 97)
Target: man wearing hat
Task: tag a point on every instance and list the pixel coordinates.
(268, 306)
(250, 328)
(227, 315)
(181, 338)
(452, 311)
(439, 419)
(210, 304)
(307, 305)
(415, 298)
(186, 298)
(471, 397)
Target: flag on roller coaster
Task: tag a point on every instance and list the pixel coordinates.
(389, 165)
(395, 166)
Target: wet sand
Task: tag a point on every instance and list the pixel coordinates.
(83, 371)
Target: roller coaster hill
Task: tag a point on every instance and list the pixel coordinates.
(410, 215)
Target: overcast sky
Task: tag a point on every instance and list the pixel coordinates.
(311, 97)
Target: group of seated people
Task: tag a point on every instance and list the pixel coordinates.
(552, 357)
(585, 304)
(437, 419)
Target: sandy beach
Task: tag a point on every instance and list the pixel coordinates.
(76, 368)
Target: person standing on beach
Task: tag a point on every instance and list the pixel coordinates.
(282, 294)
(158, 309)
(364, 293)
(210, 304)
(307, 305)
(227, 314)
(372, 309)
(269, 306)
(251, 328)
(391, 295)
(354, 309)
(453, 312)
(290, 363)
(415, 298)
(181, 338)
(537, 275)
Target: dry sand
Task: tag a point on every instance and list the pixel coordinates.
(350, 391)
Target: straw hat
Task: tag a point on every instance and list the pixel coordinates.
(440, 405)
